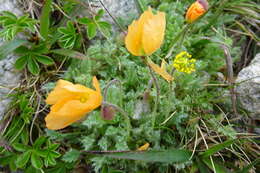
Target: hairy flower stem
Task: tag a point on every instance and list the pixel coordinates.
(230, 73)
(155, 81)
(112, 82)
(127, 119)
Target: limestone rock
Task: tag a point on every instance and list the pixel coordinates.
(124, 9)
(248, 87)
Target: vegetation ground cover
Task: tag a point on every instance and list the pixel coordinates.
(172, 111)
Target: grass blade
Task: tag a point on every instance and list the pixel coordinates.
(70, 53)
(166, 156)
(45, 19)
(217, 148)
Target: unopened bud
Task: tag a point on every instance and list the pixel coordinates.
(107, 112)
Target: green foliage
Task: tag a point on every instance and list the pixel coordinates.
(95, 24)
(70, 37)
(41, 153)
(217, 148)
(45, 19)
(19, 126)
(30, 57)
(12, 25)
(71, 156)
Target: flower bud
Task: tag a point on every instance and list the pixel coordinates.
(196, 10)
(108, 113)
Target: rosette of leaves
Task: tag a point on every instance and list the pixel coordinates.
(94, 24)
(12, 25)
(41, 154)
(31, 57)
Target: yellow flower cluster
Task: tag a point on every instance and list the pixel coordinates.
(184, 63)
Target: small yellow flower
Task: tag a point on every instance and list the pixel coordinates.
(184, 63)
(196, 10)
(144, 147)
(146, 34)
(71, 102)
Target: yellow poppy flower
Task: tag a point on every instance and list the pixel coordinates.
(160, 70)
(71, 102)
(146, 34)
(196, 10)
(144, 147)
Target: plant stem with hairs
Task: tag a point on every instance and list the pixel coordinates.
(155, 81)
(117, 108)
(175, 40)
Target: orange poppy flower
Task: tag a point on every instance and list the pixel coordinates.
(196, 10)
(146, 34)
(71, 102)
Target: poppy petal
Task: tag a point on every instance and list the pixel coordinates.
(67, 114)
(59, 92)
(159, 70)
(153, 33)
(133, 39)
(95, 83)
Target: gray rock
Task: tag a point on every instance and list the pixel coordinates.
(10, 5)
(120, 8)
(9, 77)
(248, 87)
(124, 9)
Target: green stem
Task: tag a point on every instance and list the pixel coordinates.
(112, 82)
(175, 40)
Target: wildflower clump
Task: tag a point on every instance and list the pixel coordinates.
(184, 63)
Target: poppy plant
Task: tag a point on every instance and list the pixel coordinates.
(70, 103)
(196, 10)
(146, 34)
